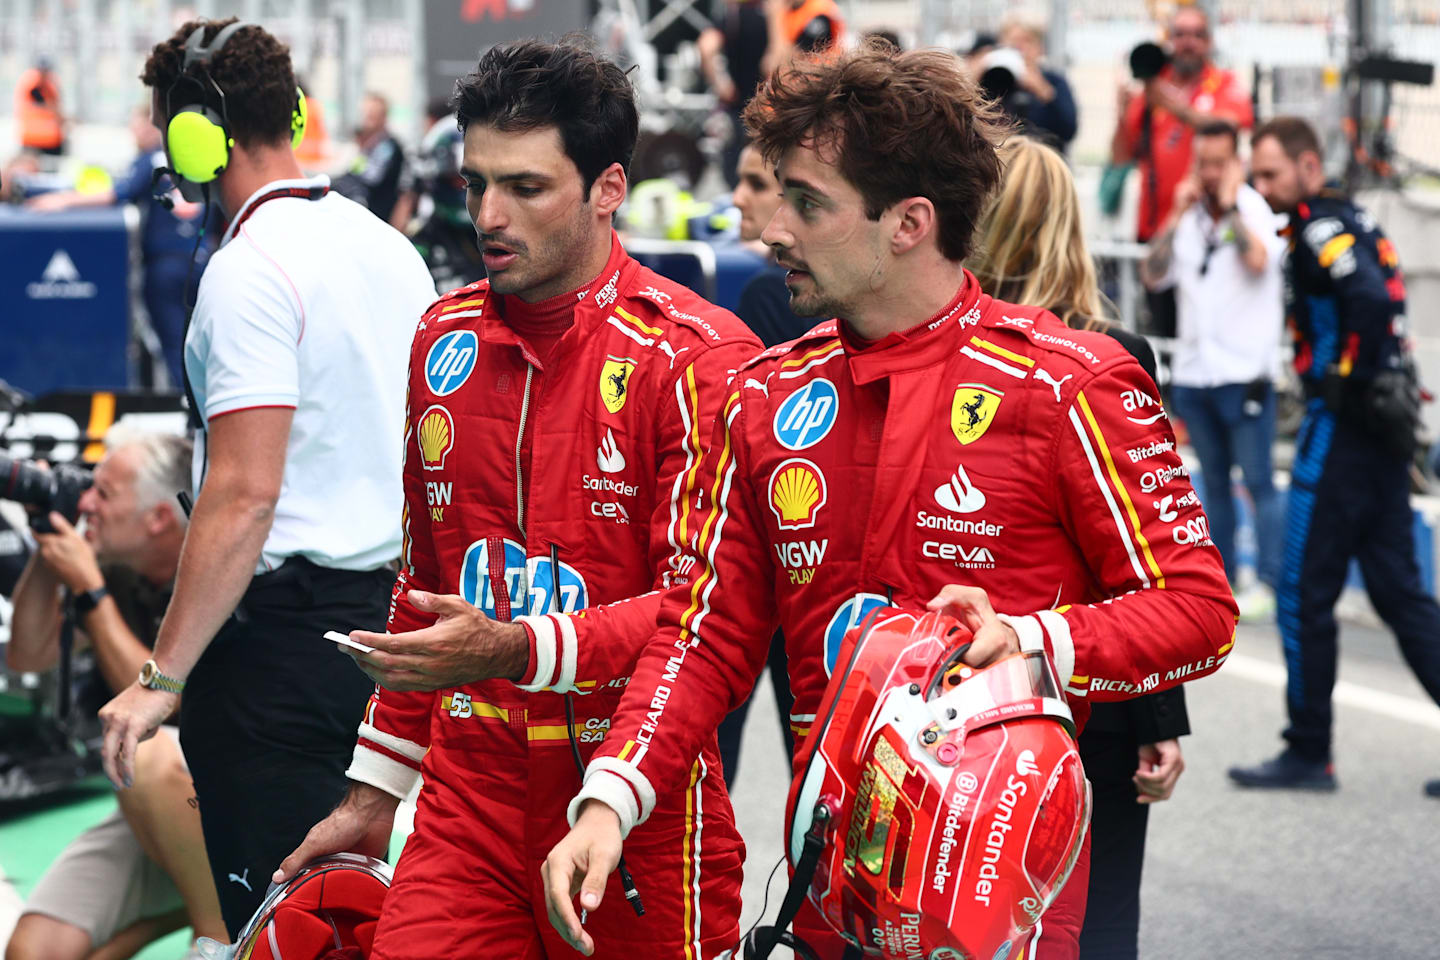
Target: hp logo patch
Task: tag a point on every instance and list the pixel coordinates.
(450, 361)
(850, 614)
(528, 582)
(807, 415)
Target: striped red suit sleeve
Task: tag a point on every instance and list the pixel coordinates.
(1125, 499)
(598, 647)
(710, 643)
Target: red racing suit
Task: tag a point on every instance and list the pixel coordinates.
(992, 447)
(584, 466)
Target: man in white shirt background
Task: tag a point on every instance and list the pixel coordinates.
(295, 362)
(1220, 250)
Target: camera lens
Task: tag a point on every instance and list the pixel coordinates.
(1147, 60)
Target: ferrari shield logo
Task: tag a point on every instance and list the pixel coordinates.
(972, 410)
(615, 381)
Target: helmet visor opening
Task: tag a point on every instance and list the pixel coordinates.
(970, 692)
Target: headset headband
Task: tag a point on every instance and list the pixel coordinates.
(197, 51)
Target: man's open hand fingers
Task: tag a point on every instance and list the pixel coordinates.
(400, 680)
(558, 874)
(109, 750)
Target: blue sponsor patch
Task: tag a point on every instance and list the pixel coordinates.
(450, 361)
(849, 615)
(528, 582)
(807, 415)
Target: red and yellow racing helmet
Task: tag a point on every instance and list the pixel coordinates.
(951, 800)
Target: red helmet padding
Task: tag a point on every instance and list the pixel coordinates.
(302, 921)
(365, 935)
(352, 891)
(300, 934)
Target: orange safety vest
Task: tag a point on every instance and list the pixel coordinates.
(314, 149)
(39, 123)
(794, 20)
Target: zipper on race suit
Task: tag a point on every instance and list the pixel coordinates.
(520, 474)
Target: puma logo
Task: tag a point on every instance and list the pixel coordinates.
(242, 879)
(1044, 376)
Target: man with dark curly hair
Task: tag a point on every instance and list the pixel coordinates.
(576, 388)
(929, 447)
(294, 363)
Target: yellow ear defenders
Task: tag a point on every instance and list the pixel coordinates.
(197, 137)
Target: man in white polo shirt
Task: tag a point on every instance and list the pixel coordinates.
(1220, 250)
(295, 363)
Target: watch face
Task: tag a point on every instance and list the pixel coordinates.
(147, 673)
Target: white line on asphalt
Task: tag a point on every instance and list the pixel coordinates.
(1408, 709)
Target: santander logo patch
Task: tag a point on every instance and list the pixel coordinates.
(960, 495)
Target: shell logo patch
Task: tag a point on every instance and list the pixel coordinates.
(435, 437)
(797, 492)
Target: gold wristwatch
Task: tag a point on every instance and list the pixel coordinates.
(151, 677)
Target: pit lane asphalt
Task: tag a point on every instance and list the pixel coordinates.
(1231, 873)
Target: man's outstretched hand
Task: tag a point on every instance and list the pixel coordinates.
(581, 863)
(462, 646)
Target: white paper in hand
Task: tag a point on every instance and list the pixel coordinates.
(341, 638)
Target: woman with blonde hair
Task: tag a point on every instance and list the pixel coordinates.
(1032, 250)
(1031, 246)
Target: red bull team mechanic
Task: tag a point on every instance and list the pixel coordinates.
(933, 446)
(556, 420)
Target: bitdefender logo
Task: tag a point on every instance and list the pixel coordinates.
(60, 281)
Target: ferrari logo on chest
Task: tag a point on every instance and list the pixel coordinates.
(615, 381)
(973, 410)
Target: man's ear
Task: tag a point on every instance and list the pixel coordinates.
(609, 189)
(916, 223)
(161, 517)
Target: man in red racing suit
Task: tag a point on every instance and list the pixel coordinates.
(552, 449)
(987, 446)
(587, 465)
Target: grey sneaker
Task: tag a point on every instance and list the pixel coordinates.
(1288, 771)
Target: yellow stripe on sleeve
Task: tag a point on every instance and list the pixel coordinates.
(1002, 352)
(693, 392)
(462, 304)
(809, 355)
(1120, 488)
(687, 854)
(710, 521)
(629, 317)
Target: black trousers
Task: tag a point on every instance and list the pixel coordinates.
(1117, 846)
(268, 721)
(732, 728)
(1349, 497)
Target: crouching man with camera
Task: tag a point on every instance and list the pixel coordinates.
(142, 872)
